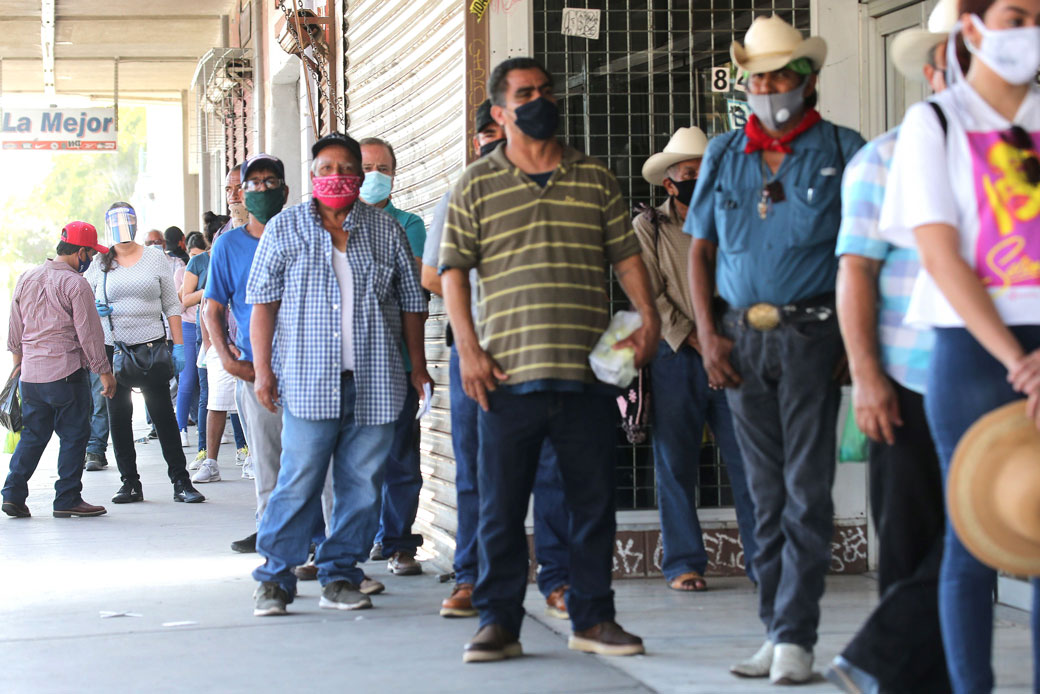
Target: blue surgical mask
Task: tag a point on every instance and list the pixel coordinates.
(376, 187)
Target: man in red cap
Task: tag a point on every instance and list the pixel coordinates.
(55, 336)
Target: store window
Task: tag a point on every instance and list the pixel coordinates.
(622, 95)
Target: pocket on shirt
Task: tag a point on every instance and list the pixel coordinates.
(816, 211)
(732, 219)
(381, 279)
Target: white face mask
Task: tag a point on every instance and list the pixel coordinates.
(1014, 54)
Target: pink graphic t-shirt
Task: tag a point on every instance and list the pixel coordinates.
(972, 178)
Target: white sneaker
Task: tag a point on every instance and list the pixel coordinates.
(199, 460)
(241, 455)
(228, 436)
(757, 665)
(791, 664)
(247, 470)
(207, 472)
(184, 438)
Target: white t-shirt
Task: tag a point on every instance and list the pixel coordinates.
(972, 180)
(346, 294)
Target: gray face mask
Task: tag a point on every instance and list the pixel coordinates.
(777, 110)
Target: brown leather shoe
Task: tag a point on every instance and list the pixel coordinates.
(460, 602)
(492, 643)
(606, 638)
(81, 510)
(307, 572)
(16, 510)
(556, 603)
(403, 564)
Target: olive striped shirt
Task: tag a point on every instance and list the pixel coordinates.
(541, 257)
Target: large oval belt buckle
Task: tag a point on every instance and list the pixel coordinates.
(763, 317)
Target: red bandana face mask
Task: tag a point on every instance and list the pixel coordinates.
(336, 191)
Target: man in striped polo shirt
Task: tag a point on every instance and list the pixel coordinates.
(540, 221)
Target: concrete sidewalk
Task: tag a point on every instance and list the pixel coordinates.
(171, 564)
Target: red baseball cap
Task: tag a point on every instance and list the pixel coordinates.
(82, 234)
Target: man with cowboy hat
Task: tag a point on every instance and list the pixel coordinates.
(682, 400)
(899, 647)
(764, 217)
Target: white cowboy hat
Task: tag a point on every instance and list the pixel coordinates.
(686, 143)
(912, 48)
(993, 490)
(771, 43)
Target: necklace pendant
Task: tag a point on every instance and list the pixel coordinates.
(763, 208)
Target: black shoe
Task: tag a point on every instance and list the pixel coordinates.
(183, 491)
(129, 493)
(247, 545)
(153, 434)
(15, 510)
(95, 462)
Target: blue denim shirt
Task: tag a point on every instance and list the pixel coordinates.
(788, 256)
(293, 265)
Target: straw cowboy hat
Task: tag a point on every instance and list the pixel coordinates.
(912, 48)
(993, 490)
(686, 143)
(771, 43)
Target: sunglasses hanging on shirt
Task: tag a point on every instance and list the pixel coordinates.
(1019, 138)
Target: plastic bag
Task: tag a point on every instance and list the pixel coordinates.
(616, 366)
(11, 406)
(854, 443)
(11, 442)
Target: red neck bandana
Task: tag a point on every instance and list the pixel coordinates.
(760, 139)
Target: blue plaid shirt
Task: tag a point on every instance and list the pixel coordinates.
(905, 351)
(293, 265)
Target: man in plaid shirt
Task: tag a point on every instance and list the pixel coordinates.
(333, 287)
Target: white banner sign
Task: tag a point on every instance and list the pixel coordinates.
(77, 129)
(580, 22)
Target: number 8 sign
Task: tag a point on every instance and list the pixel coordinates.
(720, 79)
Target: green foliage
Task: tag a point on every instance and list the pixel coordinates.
(80, 186)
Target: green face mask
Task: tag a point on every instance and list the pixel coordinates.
(264, 204)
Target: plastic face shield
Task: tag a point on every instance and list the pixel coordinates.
(121, 224)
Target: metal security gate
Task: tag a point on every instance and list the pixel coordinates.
(622, 96)
(403, 71)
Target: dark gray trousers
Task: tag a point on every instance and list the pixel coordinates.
(785, 412)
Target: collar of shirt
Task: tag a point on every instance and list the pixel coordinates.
(498, 160)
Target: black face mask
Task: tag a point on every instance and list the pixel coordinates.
(84, 265)
(489, 147)
(685, 189)
(538, 119)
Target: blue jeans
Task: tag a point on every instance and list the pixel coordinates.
(682, 403)
(582, 428)
(358, 456)
(964, 383)
(59, 407)
(98, 442)
(188, 381)
(402, 481)
(236, 425)
(550, 510)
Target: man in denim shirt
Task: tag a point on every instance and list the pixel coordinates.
(764, 217)
(339, 282)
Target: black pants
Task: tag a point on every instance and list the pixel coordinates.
(900, 643)
(121, 415)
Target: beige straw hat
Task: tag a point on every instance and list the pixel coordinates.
(686, 143)
(912, 48)
(771, 43)
(993, 490)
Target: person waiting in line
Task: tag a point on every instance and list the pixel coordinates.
(539, 204)
(133, 286)
(334, 287)
(764, 218)
(175, 244)
(969, 192)
(682, 401)
(550, 512)
(899, 647)
(188, 382)
(55, 337)
(192, 291)
(395, 542)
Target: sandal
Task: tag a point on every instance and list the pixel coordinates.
(689, 582)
